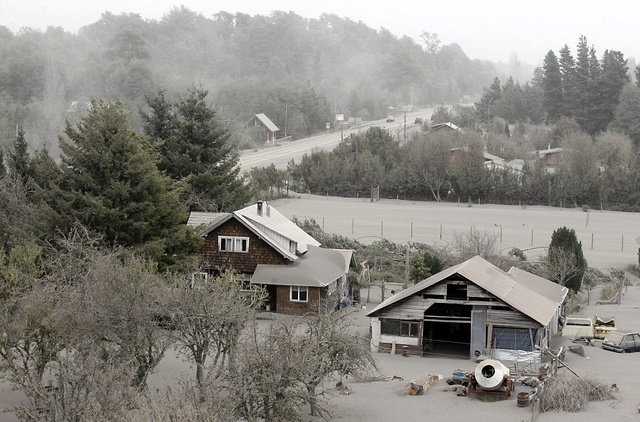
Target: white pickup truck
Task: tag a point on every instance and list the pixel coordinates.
(588, 328)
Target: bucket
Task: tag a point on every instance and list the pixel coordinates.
(267, 308)
(523, 399)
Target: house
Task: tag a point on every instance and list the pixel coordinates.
(551, 158)
(270, 128)
(470, 308)
(265, 248)
(447, 127)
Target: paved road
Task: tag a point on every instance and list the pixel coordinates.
(280, 155)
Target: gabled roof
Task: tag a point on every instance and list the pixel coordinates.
(197, 218)
(503, 286)
(317, 268)
(546, 288)
(267, 223)
(266, 122)
(447, 125)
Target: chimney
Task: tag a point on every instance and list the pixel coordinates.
(259, 205)
(268, 209)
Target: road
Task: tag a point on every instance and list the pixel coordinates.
(281, 154)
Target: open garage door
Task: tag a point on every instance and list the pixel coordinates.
(447, 330)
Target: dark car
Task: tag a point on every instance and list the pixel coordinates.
(622, 342)
(419, 120)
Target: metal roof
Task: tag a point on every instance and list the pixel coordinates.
(267, 122)
(317, 268)
(197, 218)
(504, 286)
(267, 223)
(546, 288)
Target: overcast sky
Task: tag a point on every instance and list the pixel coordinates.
(485, 29)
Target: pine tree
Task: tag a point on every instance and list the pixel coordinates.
(19, 159)
(582, 83)
(567, 70)
(195, 150)
(613, 78)
(552, 87)
(111, 184)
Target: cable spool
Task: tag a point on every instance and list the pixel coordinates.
(490, 374)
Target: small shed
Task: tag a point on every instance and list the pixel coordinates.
(270, 128)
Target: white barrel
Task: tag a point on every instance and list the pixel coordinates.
(490, 374)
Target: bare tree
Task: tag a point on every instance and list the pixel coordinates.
(475, 242)
(430, 161)
(286, 366)
(209, 318)
(561, 265)
(121, 298)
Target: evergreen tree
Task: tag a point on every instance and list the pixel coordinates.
(195, 149)
(110, 183)
(566, 257)
(534, 97)
(552, 87)
(626, 114)
(613, 79)
(582, 83)
(567, 70)
(19, 158)
(486, 107)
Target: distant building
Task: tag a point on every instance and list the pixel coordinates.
(270, 128)
(551, 157)
(447, 127)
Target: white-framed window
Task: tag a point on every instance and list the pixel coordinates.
(198, 279)
(233, 244)
(299, 294)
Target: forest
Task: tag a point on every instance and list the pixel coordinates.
(297, 71)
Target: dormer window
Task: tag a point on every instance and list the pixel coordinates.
(233, 244)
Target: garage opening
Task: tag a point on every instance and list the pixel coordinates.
(447, 330)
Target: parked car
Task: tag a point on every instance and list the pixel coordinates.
(391, 119)
(622, 342)
(419, 120)
(588, 328)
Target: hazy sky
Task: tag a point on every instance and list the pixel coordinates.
(485, 29)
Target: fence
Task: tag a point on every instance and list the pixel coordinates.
(607, 237)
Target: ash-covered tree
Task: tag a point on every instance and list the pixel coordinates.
(208, 320)
(18, 161)
(111, 184)
(195, 149)
(486, 108)
(552, 86)
(565, 261)
(567, 70)
(626, 114)
(468, 171)
(430, 161)
(579, 169)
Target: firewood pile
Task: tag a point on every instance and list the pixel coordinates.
(571, 394)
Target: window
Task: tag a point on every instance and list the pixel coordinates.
(395, 327)
(233, 244)
(299, 294)
(198, 279)
(409, 329)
